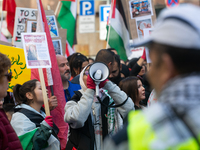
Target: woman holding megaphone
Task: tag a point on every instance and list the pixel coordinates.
(91, 118)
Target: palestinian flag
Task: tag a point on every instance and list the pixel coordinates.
(26, 139)
(117, 31)
(67, 20)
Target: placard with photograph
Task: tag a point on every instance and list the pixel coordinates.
(147, 32)
(36, 50)
(140, 8)
(31, 26)
(57, 44)
(53, 28)
(141, 24)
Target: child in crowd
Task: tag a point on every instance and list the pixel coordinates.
(34, 129)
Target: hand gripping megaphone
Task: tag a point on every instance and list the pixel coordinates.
(98, 72)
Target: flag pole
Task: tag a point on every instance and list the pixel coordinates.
(109, 23)
(57, 7)
(44, 92)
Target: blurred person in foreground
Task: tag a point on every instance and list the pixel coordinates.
(172, 122)
(8, 137)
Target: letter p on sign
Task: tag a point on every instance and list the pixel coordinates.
(86, 7)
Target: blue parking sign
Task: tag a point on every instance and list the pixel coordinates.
(104, 12)
(87, 7)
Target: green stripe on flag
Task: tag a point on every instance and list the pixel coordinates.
(116, 42)
(26, 140)
(67, 21)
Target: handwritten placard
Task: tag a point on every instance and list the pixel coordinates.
(21, 16)
(20, 73)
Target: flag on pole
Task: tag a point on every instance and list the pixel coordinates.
(117, 30)
(58, 112)
(10, 7)
(67, 20)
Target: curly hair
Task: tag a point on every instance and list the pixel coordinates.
(5, 64)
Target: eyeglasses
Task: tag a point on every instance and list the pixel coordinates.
(9, 76)
(86, 73)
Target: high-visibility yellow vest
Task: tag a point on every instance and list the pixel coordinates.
(141, 135)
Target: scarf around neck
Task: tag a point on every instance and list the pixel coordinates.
(182, 90)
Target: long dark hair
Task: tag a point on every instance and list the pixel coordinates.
(75, 62)
(20, 91)
(130, 87)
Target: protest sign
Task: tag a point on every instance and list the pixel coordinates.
(139, 8)
(21, 16)
(132, 22)
(20, 73)
(141, 24)
(31, 26)
(147, 31)
(36, 50)
(171, 3)
(136, 52)
(53, 28)
(57, 44)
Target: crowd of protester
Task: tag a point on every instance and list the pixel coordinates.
(119, 116)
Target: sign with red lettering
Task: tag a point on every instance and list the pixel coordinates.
(136, 52)
(36, 50)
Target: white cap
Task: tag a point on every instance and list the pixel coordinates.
(178, 27)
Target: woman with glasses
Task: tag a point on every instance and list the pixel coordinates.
(8, 137)
(89, 120)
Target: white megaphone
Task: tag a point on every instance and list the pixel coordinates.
(98, 72)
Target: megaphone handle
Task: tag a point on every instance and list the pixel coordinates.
(97, 89)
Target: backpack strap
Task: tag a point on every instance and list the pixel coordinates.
(77, 96)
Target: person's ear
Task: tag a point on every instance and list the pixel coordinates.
(170, 70)
(109, 66)
(29, 95)
(120, 67)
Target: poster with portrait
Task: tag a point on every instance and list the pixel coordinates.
(140, 8)
(31, 26)
(53, 28)
(141, 24)
(57, 44)
(36, 50)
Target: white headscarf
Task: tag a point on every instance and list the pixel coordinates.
(82, 84)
